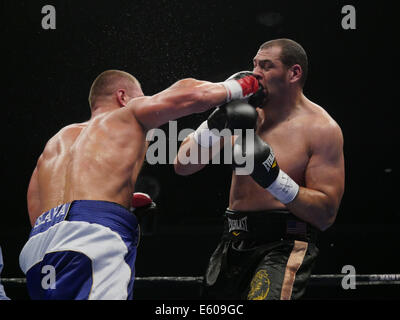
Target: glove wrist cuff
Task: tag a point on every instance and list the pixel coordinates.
(206, 137)
(284, 188)
(234, 90)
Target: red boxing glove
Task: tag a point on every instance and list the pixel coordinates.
(142, 205)
(140, 200)
(241, 85)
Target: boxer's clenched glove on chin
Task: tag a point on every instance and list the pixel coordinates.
(142, 205)
(266, 170)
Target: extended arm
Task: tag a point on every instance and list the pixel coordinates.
(192, 96)
(183, 98)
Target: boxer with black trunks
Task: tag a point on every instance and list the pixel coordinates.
(275, 213)
(84, 238)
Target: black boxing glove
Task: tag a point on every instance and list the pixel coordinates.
(266, 171)
(234, 115)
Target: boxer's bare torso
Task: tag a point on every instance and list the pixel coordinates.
(96, 160)
(295, 140)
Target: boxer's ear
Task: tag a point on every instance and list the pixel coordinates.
(295, 73)
(261, 118)
(122, 97)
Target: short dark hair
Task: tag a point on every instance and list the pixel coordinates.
(292, 53)
(108, 81)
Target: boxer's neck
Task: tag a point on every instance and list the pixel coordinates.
(280, 108)
(103, 109)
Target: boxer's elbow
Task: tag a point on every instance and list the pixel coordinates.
(323, 226)
(181, 169)
(178, 167)
(327, 219)
(187, 169)
(326, 208)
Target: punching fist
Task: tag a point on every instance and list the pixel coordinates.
(241, 85)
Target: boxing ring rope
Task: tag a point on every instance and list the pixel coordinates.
(315, 280)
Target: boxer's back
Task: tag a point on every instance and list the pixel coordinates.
(96, 160)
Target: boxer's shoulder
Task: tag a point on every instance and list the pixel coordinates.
(66, 136)
(69, 131)
(317, 120)
(322, 130)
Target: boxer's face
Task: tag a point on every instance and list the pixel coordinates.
(270, 71)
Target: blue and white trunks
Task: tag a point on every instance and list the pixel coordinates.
(82, 250)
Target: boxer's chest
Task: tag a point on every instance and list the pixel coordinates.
(291, 147)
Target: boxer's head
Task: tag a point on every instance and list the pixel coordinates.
(281, 64)
(114, 87)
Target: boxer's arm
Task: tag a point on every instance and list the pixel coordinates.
(33, 198)
(318, 202)
(181, 99)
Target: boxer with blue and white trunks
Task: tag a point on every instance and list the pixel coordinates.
(86, 248)
(84, 238)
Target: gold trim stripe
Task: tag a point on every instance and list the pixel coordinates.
(294, 262)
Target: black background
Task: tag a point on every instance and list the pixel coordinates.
(353, 75)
